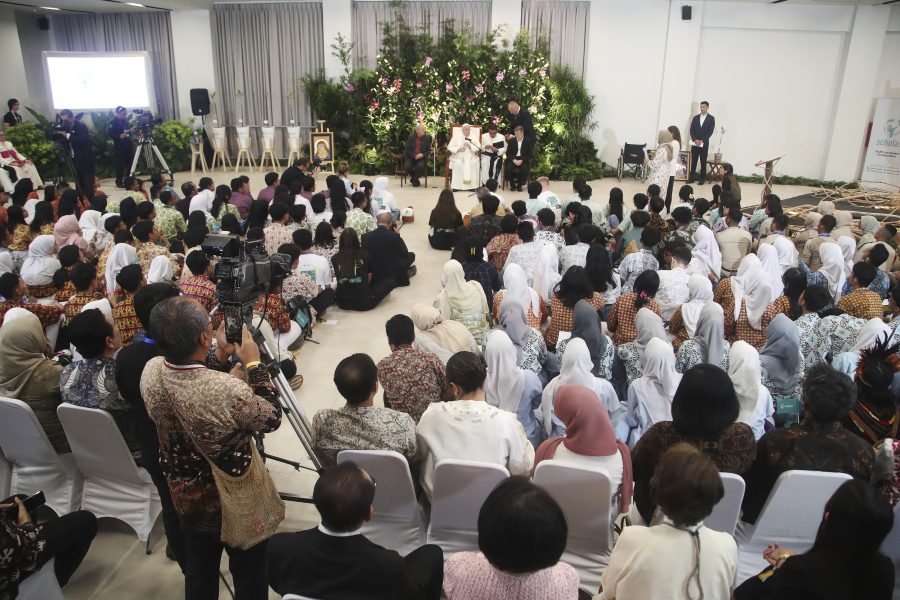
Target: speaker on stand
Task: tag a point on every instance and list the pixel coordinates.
(200, 107)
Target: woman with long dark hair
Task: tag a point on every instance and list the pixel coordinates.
(42, 224)
(325, 243)
(575, 285)
(673, 164)
(24, 188)
(338, 196)
(445, 219)
(258, 215)
(220, 206)
(353, 271)
(788, 303)
(338, 222)
(128, 212)
(21, 234)
(615, 207)
(603, 278)
(68, 257)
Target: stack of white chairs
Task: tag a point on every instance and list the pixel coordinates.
(35, 464)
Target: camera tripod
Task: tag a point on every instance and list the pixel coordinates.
(147, 148)
(65, 152)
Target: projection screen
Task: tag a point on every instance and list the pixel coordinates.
(99, 80)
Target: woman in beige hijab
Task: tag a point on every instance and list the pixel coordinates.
(27, 375)
(463, 301)
(659, 166)
(441, 338)
(809, 230)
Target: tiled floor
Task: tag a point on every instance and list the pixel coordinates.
(116, 568)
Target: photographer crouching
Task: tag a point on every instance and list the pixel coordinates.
(206, 417)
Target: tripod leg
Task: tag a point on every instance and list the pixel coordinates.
(137, 157)
(162, 161)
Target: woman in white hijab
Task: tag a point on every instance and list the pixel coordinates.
(576, 368)
(787, 252)
(511, 388)
(104, 238)
(809, 231)
(649, 326)
(754, 398)
(121, 256)
(41, 263)
(842, 228)
(848, 248)
(515, 286)
(707, 250)
(831, 273)
(441, 338)
(546, 272)
(650, 397)
(768, 259)
(748, 318)
(89, 222)
(873, 331)
(869, 226)
(6, 263)
(463, 301)
(160, 270)
(730, 287)
(384, 201)
(683, 324)
(708, 345)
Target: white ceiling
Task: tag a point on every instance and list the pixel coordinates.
(98, 6)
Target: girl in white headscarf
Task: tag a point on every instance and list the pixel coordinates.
(515, 286)
(848, 248)
(41, 263)
(831, 273)
(511, 388)
(89, 222)
(707, 250)
(787, 252)
(576, 369)
(749, 317)
(649, 326)
(160, 270)
(768, 258)
(6, 263)
(730, 287)
(683, 324)
(650, 397)
(103, 237)
(383, 199)
(708, 345)
(546, 272)
(121, 256)
(869, 226)
(754, 398)
(441, 338)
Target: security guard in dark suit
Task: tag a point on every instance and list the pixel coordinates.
(121, 137)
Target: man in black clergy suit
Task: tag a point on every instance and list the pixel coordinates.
(518, 155)
(390, 257)
(702, 128)
(520, 118)
(418, 147)
(124, 151)
(334, 560)
(82, 151)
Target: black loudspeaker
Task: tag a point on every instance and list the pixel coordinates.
(199, 102)
(43, 23)
(685, 13)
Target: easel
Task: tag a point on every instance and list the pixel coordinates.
(330, 163)
(769, 174)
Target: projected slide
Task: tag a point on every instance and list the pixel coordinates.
(99, 81)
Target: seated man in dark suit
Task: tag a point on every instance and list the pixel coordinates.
(418, 147)
(390, 258)
(518, 156)
(335, 561)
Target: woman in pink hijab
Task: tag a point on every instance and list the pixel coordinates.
(67, 231)
(590, 439)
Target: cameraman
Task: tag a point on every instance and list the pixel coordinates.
(82, 152)
(193, 400)
(121, 137)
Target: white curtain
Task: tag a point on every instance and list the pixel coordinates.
(564, 24)
(369, 15)
(266, 47)
(126, 32)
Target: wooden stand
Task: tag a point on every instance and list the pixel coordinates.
(220, 153)
(769, 174)
(244, 149)
(197, 151)
(268, 140)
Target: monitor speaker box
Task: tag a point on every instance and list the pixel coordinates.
(43, 23)
(199, 102)
(685, 13)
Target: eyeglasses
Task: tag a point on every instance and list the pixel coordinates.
(374, 481)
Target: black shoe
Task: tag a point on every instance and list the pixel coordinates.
(701, 182)
(414, 182)
(411, 272)
(690, 181)
(120, 185)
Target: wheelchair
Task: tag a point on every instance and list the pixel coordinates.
(632, 159)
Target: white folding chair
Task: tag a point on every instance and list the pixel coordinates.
(585, 496)
(398, 521)
(460, 488)
(114, 486)
(42, 585)
(725, 514)
(790, 516)
(890, 547)
(5, 475)
(35, 464)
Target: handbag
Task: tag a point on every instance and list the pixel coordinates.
(408, 214)
(251, 506)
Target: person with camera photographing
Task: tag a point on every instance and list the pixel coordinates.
(207, 417)
(120, 134)
(83, 157)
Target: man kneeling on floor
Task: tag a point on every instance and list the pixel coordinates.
(334, 560)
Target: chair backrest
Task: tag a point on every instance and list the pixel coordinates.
(633, 153)
(585, 496)
(474, 132)
(460, 488)
(725, 514)
(21, 436)
(394, 495)
(795, 506)
(97, 444)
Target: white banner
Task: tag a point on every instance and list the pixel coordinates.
(883, 155)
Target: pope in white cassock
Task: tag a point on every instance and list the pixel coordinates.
(464, 157)
(23, 167)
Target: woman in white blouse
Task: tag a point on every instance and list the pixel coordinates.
(673, 165)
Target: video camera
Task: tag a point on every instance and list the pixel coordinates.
(244, 272)
(145, 121)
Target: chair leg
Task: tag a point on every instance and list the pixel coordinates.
(148, 544)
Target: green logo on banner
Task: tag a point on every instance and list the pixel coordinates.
(892, 127)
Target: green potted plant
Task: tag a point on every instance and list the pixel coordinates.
(718, 155)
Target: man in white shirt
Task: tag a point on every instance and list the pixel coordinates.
(673, 283)
(546, 195)
(525, 254)
(492, 160)
(313, 265)
(577, 254)
(637, 262)
(468, 428)
(205, 195)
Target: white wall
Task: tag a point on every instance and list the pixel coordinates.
(193, 48)
(13, 83)
(337, 18)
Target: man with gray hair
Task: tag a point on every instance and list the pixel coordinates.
(418, 147)
(205, 414)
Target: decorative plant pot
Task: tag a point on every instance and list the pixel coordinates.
(218, 137)
(717, 157)
(294, 138)
(243, 136)
(268, 137)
